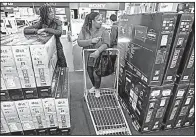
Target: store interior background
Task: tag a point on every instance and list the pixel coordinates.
(16, 16)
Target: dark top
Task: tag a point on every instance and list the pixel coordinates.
(55, 27)
(114, 35)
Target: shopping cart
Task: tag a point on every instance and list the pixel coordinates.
(106, 112)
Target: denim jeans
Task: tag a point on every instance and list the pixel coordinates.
(95, 80)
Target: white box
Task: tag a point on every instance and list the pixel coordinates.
(3, 87)
(44, 58)
(63, 113)
(24, 66)
(8, 68)
(24, 113)
(37, 112)
(4, 126)
(11, 116)
(50, 112)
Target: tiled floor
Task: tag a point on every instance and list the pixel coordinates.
(81, 123)
(80, 118)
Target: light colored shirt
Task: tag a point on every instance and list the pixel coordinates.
(102, 32)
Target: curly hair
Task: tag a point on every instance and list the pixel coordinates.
(44, 10)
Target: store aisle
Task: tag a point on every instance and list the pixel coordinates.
(68, 48)
(81, 123)
(77, 58)
(73, 54)
(78, 116)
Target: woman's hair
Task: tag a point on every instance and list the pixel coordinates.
(113, 17)
(44, 10)
(88, 21)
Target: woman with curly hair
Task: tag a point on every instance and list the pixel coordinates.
(49, 24)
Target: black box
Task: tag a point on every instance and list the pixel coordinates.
(62, 99)
(42, 132)
(6, 134)
(30, 93)
(158, 119)
(121, 81)
(65, 83)
(145, 103)
(123, 41)
(4, 92)
(53, 131)
(55, 81)
(189, 118)
(150, 36)
(174, 106)
(64, 132)
(44, 92)
(16, 94)
(4, 95)
(17, 133)
(184, 27)
(30, 133)
(48, 91)
(188, 100)
(186, 68)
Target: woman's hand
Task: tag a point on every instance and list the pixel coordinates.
(95, 54)
(95, 40)
(40, 31)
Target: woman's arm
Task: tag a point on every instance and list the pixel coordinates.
(57, 31)
(32, 29)
(82, 42)
(105, 45)
(106, 41)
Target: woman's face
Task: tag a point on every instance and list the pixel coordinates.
(51, 14)
(97, 22)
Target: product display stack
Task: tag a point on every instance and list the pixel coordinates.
(30, 81)
(156, 43)
(182, 102)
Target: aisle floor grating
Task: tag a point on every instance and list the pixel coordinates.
(107, 114)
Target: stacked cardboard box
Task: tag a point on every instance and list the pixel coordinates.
(41, 116)
(156, 43)
(34, 92)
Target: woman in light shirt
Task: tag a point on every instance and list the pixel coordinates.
(94, 36)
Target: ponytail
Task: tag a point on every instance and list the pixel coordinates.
(88, 22)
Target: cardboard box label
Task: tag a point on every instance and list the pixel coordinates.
(191, 60)
(11, 116)
(8, 68)
(24, 113)
(50, 112)
(173, 113)
(3, 87)
(44, 59)
(4, 126)
(37, 112)
(155, 93)
(175, 58)
(24, 66)
(188, 100)
(180, 93)
(63, 114)
(166, 92)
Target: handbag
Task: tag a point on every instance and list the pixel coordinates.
(106, 63)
